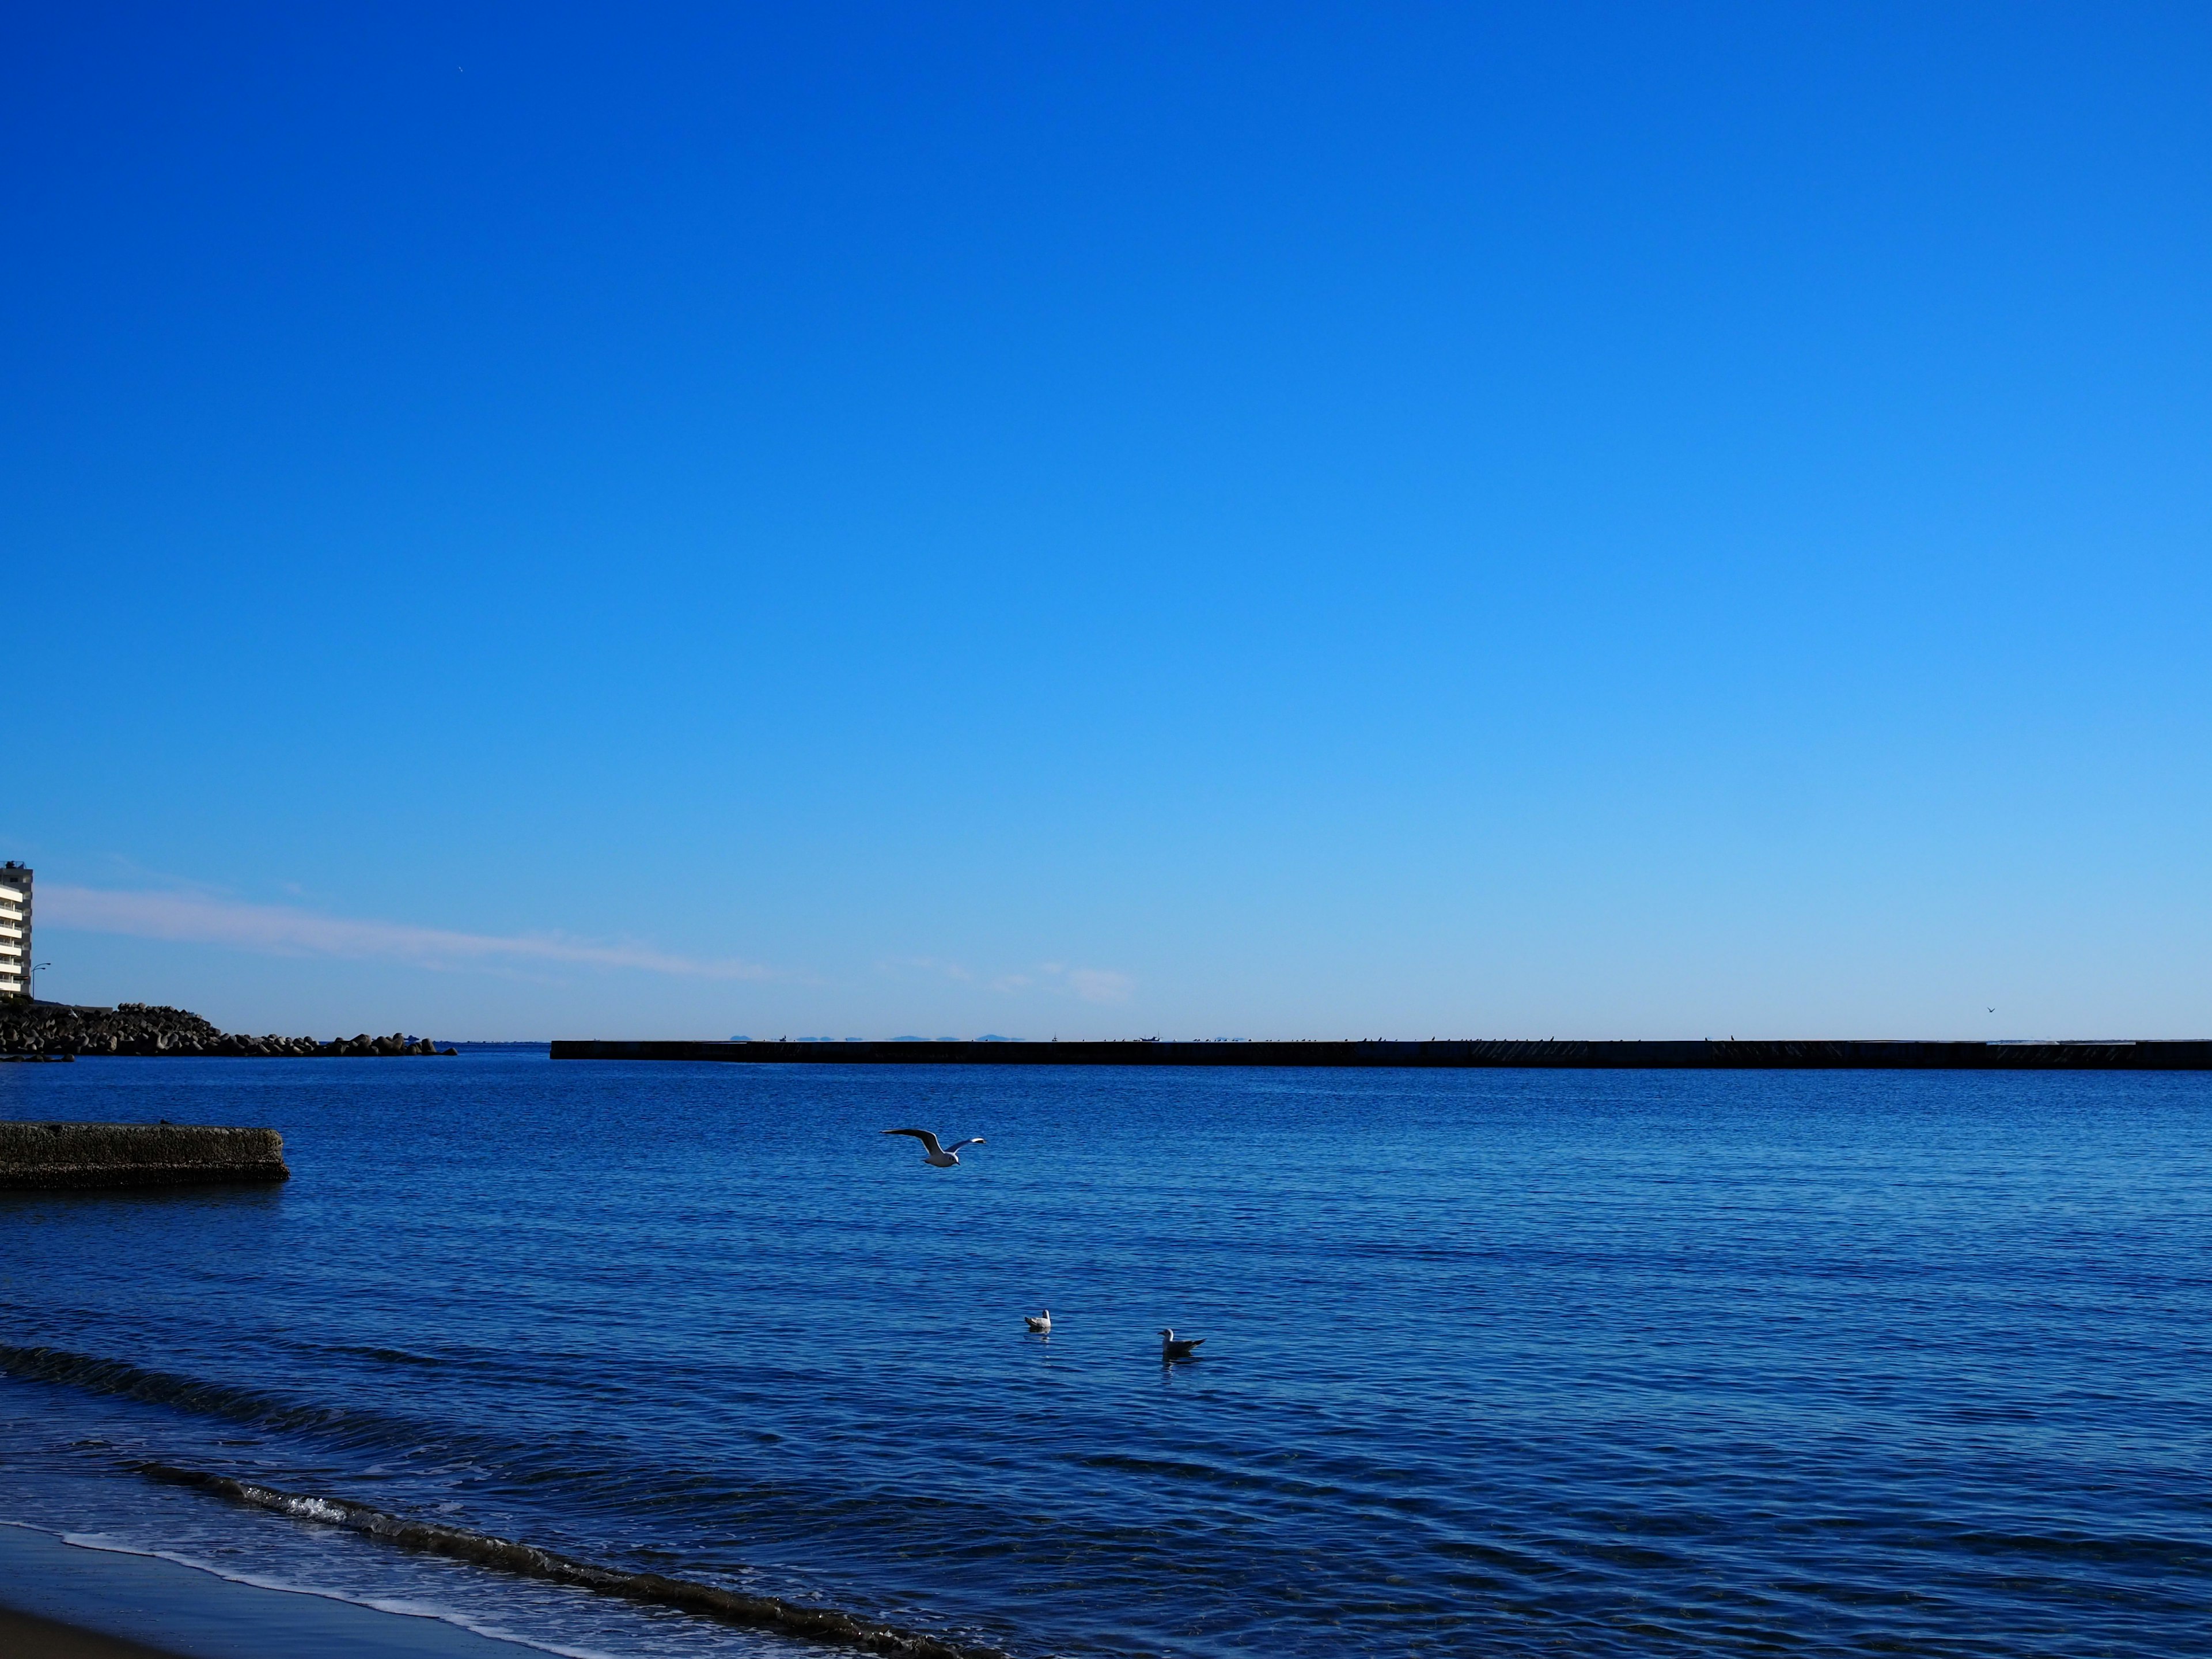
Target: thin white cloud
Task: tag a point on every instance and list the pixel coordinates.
(1100, 984)
(933, 965)
(1052, 978)
(281, 930)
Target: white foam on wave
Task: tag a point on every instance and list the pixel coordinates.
(60, 1482)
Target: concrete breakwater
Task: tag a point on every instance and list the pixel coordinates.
(138, 1028)
(67, 1155)
(2149, 1056)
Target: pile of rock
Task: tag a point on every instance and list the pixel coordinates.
(136, 1028)
(396, 1044)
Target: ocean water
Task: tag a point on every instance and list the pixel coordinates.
(1496, 1363)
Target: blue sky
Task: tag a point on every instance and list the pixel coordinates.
(1238, 520)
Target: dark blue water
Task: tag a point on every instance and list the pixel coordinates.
(1505, 1362)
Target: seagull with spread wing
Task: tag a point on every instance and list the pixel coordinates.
(938, 1157)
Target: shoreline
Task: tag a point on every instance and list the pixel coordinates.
(85, 1601)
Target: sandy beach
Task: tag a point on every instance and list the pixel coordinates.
(27, 1636)
(60, 1600)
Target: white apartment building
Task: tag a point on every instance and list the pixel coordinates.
(15, 930)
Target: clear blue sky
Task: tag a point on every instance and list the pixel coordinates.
(1262, 520)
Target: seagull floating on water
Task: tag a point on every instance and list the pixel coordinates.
(942, 1157)
(1173, 1347)
(1039, 1322)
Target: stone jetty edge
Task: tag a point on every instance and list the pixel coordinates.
(55, 1156)
(2191, 1055)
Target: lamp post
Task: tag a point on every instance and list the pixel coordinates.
(36, 969)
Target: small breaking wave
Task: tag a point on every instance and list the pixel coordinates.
(768, 1612)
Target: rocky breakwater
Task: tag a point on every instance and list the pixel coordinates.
(50, 1155)
(138, 1028)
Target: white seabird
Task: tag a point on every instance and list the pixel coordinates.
(1039, 1322)
(1173, 1347)
(942, 1157)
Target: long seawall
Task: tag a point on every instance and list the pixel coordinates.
(2145, 1056)
(77, 1155)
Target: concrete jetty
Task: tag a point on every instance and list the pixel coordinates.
(1818, 1055)
(83, 1155)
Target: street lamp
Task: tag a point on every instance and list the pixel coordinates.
(37, 968)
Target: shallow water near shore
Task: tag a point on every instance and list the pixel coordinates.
(1559, 1363)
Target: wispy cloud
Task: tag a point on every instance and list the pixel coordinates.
(1100, 984)
(283, 930)
(936, 966)
(1091, 984)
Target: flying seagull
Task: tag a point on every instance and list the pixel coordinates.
(1173, 1347)
(1039, 1322)
(942, 1157)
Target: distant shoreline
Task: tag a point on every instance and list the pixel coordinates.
(2193, 1055)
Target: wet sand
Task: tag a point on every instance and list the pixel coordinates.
(27, 1636)
(63, 1601)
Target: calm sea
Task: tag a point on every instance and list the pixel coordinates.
(1497, 1363)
